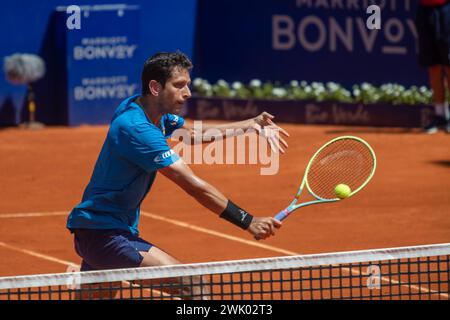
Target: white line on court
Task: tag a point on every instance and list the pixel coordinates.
(33, 214)
(195, 228)
(38, 255)
(167, 220)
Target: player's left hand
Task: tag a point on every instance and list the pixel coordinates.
(264, 125)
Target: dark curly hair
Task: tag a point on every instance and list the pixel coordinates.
(159, 68)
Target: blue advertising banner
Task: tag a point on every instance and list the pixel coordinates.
(312, 40)
(29, 26)
(101, 62)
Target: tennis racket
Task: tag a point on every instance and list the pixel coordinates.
(344, 160)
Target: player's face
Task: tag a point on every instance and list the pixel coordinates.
(176, 91)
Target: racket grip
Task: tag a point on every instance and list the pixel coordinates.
(282, 215)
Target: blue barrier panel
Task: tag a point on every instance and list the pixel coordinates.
(99, 63)
(29, 26)
(308, 40)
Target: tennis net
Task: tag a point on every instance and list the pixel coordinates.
(419, 272)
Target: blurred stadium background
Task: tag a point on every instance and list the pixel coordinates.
(89, 70)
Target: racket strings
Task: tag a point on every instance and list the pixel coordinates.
(347, 161)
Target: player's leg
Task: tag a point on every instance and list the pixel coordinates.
(446, 111)
(428, 25)
(445, 56)
(96, 291)
(113, 249)
(438, 76)
(192, 287)
(103, 250)
(156, 257)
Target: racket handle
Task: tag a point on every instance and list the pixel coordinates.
(282, 215)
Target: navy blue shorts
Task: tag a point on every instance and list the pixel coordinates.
(109, 249)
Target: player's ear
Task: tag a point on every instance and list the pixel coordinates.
(155, 87)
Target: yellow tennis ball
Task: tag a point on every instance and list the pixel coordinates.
(342, 191)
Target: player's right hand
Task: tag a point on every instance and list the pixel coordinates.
(262, 228)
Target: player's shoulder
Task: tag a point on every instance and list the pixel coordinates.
(127, 107)
(134, 123)
(130, 119)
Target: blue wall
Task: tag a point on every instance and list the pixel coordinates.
(237, 42)
(166, 25)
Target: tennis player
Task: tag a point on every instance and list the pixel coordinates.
(105, 223)
(433, 30)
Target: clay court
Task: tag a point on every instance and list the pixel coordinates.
(43, 175)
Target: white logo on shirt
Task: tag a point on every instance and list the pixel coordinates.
(174, 121)
(162, 156)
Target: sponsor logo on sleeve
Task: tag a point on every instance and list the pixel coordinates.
(163, 156)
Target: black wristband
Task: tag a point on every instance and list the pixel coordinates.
(236, 215)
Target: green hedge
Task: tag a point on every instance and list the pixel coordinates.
(364, 93)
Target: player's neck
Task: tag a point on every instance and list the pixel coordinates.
(151, 109)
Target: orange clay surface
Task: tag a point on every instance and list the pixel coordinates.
(45, 172)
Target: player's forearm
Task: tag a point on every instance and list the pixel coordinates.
(215, 201)
(244, 125)
(206, 194)
(209, 197)
(207, 132)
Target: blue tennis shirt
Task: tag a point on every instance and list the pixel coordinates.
(133, 151)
